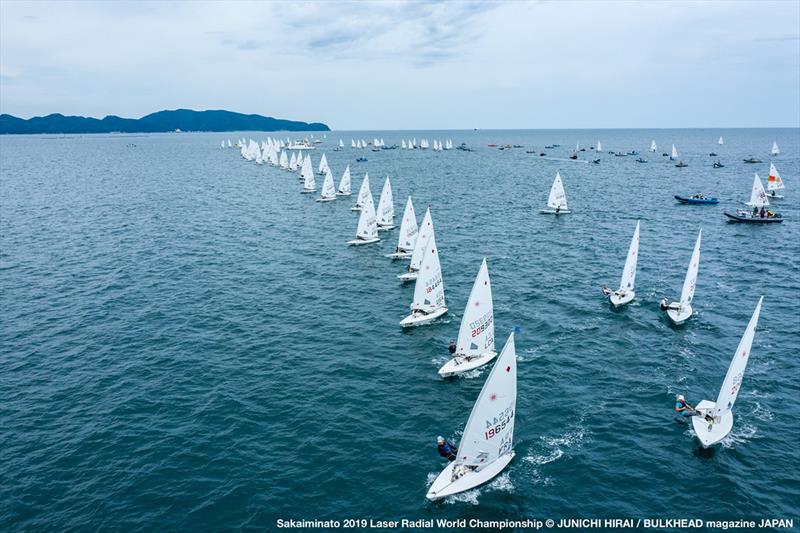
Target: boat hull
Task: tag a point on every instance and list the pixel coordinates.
(458, 365)
(444, 485)
(308, 191)
(553, 212)
(359, 242)
(680, 315)
(343, 194)
(696, 201)
(618, 300)
(752, 220)
(355, 208)
(400, 255)
(420, 320)
(710, 434)
(386, 227)
(408, 276)
(329, 199)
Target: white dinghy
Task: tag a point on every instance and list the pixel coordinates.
(653, 146)
(557, 201)
(774, 183)
(328, 193)
(323, 165)
(625, 294)
(408, 233)
(363, 193)
(428, 303)
(425, 231)
(486, 447)
(674, 155)
(758, 196)
(721, 141)
(717, 421)
(775, 150)
(367, 231)
(475, 345)
(307, 175)
(386, 207)
(344, 183)
(681, 311)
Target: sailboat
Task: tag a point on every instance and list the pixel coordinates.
(758, 197)
(425, 231)
(486, 446)
(367, 231)
(386, 207)
(293, 162)
(475, 345)
(344, 183)
(599, 147)
(717, 419)
(328, 193)
(774, 183)
(284, 160)
(403, 144)
(341, 144)
(653, 147)
(363, 193)
(674, 155)
(720, 141)
(323, 165)
(625, 294)
(557, 201)
(428, 303)
(229, 144)
(307, 175)
(681, 311)
(222, 145)
(408, 233)
(775, 149)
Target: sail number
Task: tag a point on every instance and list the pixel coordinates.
(497, 428)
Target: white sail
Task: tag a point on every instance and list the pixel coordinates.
(293, 162)
(229, 144)
(628, 280)
(599, 147)
(733, 379)
(222, 145)
(328, 189)
(774, 181)
(344, 183)
(341, 144)
(307, 173)
(720, 141)
(403, 144)
(367, 223)
(425, 231)
(775, 149)
(429, 288)
(476, 334)
(758, 197)
(674, 152)
(364, 192)
(689, 283)
(323, 164)
(558, 198)
(408, 229)
(358, 143)
(386, 205)
(653, 146)
(489, 432)
(352, 143)
(284, 160)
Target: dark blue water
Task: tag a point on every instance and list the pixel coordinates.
(188, 343)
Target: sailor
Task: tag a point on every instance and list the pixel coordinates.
(763, 212)
(684, 408)
(755, 211)
(664, 304)
(446, 449)
(606, 290)
(452, 347)
(558, 209)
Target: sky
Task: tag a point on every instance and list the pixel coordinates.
(410, 65)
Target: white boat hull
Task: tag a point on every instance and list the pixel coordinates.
(308, 191)
(420, 320)
(400, 255)
(553, 212)
(359, 242)
(710, 434)
(386, 228)
(775, 196)
(343, 194)
(444, 485)
(680, 315)
(408, 276)
(618, 300)
(355, 208)
(459, 364)
(328, 199)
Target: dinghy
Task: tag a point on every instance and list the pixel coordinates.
(697, 199)
(425, 231)
(752, 160)
(367, 231)
(408, 233)
(363, 193)
(720, 141)
(307, 175)
(717, 419)
(681, 311)
(386, 207)
(653, 147)
(775, 150)
(344, 183)
(557, 202)
(428, 303)
(758, 201)
(486, 446)
(758, 197)
(599, 147)
(774, 183)
(674, 154)
(475, 345)
(328, 193)
(625, 294)
(323, 165)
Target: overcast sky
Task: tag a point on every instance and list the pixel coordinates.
(402, 65)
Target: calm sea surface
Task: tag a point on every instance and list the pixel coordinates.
(187, 343)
